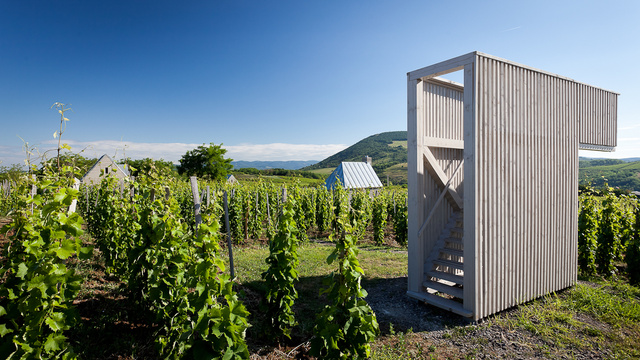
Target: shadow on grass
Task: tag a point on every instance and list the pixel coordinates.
(386, 296)
(113, 328)
(308, 304)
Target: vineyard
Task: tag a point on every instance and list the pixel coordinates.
(180, 257)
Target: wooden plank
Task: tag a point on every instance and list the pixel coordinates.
(448, 263)
(446, 276)
(443, 143)
(441, 68)
(444, 288)
(415, 186)
(471, 299)
(453, 252)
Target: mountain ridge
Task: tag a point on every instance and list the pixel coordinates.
(265, 165)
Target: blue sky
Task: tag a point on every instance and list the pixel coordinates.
(278, 80)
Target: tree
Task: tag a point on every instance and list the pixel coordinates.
(147, 165)
(206, 162)
(78, 162)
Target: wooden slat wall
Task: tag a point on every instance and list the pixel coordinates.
(442, 118)
(597, 113)
(526, 173)
(443, 110)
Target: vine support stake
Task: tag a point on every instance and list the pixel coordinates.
(196, 202)
(226, 224)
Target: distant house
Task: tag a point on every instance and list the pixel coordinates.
(354, 175)
(105, 165)
(232, 179)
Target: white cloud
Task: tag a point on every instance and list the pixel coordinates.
(174, 151)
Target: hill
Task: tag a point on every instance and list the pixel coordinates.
(387, 150)
(263, 165)
(619, 173)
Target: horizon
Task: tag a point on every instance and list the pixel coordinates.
(276, 81)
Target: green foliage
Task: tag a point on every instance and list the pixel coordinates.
(79, 163)
(147, 244)
(282, 274)
(324, 209)
(36, 299)
(345, 328)
(11, 173)
(254, 214)
(587, 234)
(633, 251)
(206, 162)
(379, 221)
(148, 166)
(608, 237)
(616, 173)
(63, 126)
(237, 214)
(360, 212)
(400, 220)
(340, 208)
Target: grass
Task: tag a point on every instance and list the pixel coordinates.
(323, 171)
(584, 318)
(398, 143)
(597, 319)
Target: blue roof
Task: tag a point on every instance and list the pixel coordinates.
(353, 175)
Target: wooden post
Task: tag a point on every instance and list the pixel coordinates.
(167, 193)
(226, 223)
(34, 190)
(196, 202)
(152, 195)
(268, 210)
(86, 193)
(208, 196)
(74, 203)
(284, 199)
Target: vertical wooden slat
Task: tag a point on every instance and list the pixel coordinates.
(415, 136)
(472, 270)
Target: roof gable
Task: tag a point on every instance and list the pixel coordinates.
(353, 175)
(105, 161)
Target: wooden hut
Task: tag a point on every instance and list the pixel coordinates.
(493, 179)
(354, 175)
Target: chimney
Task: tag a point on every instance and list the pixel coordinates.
(367, 159)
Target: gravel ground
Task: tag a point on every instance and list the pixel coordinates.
(452, 336)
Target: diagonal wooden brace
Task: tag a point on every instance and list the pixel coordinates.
(441, 178)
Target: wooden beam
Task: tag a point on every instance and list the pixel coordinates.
(471, 299)
(442, 68)
(415, 129)
(443, 143)
(441, 178)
